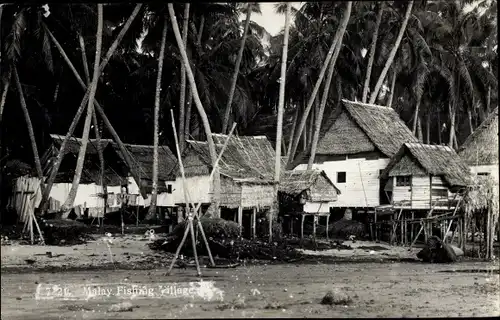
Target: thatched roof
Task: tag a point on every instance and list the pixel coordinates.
(244, 159)
(434, 160)
(294, 182)
(91, 171)
(360, 127)
(73, 144)
(481, 147)
(142, 156)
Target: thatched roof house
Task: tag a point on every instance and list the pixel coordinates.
(421, 172)
(481, 147)
(306, 191)
(142, 157)
(355, 143)
(114, 174)
(360, 127)
(246, 174)
(313, 184)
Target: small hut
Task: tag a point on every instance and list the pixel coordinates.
(425, 176)
(306, 192)
(480, 150)
(142, 158)
(247, 184)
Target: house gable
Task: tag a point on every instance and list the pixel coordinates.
(323, 190)
(345, 136)
(407, 166)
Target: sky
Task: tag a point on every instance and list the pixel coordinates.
(270, 20)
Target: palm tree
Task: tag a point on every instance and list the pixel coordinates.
(250, 7)
(199, 106)
(310, 102)
(154, 192)
(341, 31)
(90, 111)
(29, 126)
(57, 163)
(182, 98)
(395, 48)
(281, 104)
(371, 54)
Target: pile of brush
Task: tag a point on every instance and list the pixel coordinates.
(64, 232)
(224, 241)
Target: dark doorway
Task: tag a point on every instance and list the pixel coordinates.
(385, 196)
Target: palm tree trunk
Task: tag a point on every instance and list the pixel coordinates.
(189, 103)
(451, 112)
(6, 86)
(428, 127)
(182, 96)
(371, 55)
(281, 101)
(326, 91)
(392, 54)
(440, 138)
(200, 29)
(391, 94)
(420, 133)
(90, 111)
(62, 150)
(1, 45)
(199, 106)
(469, 115)
(154, 192)
(294, 125)
(84, 58)
(29, 125)
(311, 123)
(415, 116)
(83, 50)
(225, 120)
(310, 102)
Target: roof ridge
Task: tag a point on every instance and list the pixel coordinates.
(362, 104)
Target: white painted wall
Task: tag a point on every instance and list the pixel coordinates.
(357, 184)
(318, 207)
(163, 199)
(491, 169)
(198, 188)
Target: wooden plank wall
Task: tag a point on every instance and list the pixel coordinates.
(362, 185)
(421, 192)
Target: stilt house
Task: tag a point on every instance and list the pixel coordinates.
(356, 143)
(303, 193)
(480, 150)
(246, 171)
(425, 176)
(116, 175)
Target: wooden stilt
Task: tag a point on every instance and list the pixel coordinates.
(315, 221)
(240, 219)
(254, 222)
(186, 231)
(327, 224)
(302, 227)
(193, 242)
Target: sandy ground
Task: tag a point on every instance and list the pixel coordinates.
(387, 289)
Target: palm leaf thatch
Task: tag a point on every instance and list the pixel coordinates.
(480, 147)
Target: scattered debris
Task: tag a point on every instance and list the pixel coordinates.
(121, 307)
(336, 297)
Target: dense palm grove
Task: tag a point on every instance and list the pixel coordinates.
(439, 71)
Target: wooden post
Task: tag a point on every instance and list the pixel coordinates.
(315, 219)
(327, 224)
(254, 222)
(302, 227)
(412, 225)
(240, 219)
